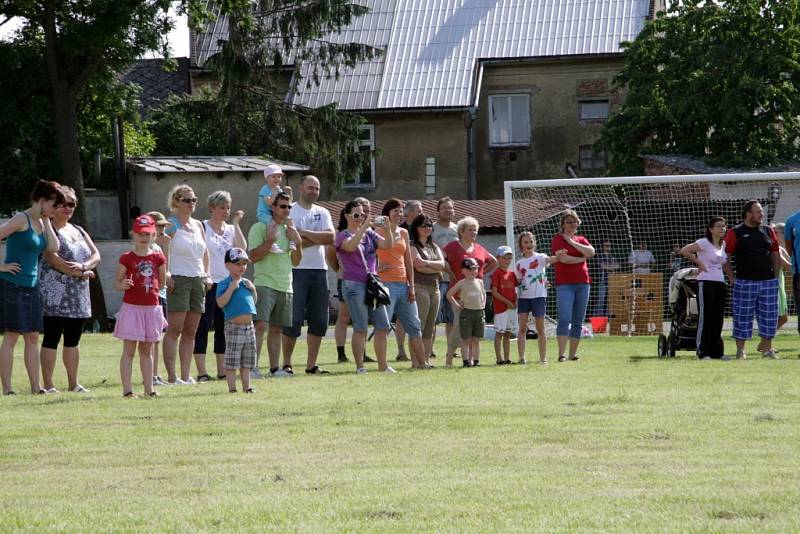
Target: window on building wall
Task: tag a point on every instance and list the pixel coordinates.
(589, 161)
(509, 120)
(365, 145)
(594, 110)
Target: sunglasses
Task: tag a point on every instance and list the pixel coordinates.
(189, 200)
(355, 215)
(283, 206)
(70, 205)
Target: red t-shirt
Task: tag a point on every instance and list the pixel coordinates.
(573, 273)
(454, 253)
(505, 282)
(143, 270)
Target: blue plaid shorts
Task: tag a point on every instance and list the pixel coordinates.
(759, 297)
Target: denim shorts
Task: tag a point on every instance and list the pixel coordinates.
(536, 306)
(309, 302)
(20, 308)
(445, 311)
(354, 295)
(406, 311)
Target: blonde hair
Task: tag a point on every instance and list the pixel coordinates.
(175, 195)
(525, 234)
(68, 192)
(218, 198)
(569, 213)
(467, 221)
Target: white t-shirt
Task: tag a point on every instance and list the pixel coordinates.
(713, 258)
(641, 257)
(316, 219)
(218, 245)
(531, 275)
(443, 236)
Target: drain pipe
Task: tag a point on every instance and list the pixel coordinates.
(570, 168)
(472, 182)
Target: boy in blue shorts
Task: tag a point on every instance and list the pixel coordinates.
(236, 296)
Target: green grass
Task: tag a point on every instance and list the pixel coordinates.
(620, 441)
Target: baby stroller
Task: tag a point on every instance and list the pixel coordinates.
(684, 314)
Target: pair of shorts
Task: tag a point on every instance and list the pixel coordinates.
(536, 306)
(470, 323)
(355, 294)
(20, 308)
(273, 307)
(505, 322)
(140, 323)
(54, 327)
(309, 302)
(445, 311)
(189, 294)
(240, 346)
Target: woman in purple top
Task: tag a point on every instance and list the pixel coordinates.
(356, 244)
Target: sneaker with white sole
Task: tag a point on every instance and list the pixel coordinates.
(178, 382)
(770, 354)
(389, 370)
(54, 390)
(740, 355)
(361, 371)
(189, 381)
(280, 373)
(256, 373)
(158, 381)
(80, 389)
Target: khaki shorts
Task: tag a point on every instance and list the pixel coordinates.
(470, 323)
(189, 294)
(273, 306)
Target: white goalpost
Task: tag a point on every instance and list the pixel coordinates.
(653, 213)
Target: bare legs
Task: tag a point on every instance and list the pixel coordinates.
(182, 325)
(145, 365)
(71, 358)
(379, 344)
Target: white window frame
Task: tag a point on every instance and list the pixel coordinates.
(583, 101)
(357, 145)
(526, 117)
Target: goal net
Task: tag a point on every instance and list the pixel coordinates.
(640, 223)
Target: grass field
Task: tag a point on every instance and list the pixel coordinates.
(618, 442)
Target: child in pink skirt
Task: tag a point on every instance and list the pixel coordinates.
(141, 272)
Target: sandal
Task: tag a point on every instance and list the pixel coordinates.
(249, 390)
(221, 377)
(42, 392)
(288, 369)
(562, 358)
(317, 371)
(153, 395)
(232, 390)
(203, 378)
(10, 392)
(129, 395)
(575, 358)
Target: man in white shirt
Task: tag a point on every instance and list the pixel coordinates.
(310, 277)
(641, 259)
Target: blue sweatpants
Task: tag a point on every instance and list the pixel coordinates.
(759, 297)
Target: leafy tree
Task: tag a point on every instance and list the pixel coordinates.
(249, 114)
(714, 80)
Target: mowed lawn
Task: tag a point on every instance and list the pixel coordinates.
(618, 442)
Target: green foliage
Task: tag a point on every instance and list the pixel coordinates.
(249, 113)
(714, 80)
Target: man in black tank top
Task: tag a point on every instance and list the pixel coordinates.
(755, 286)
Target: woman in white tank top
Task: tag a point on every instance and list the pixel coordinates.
(187, 286)
(220, 237)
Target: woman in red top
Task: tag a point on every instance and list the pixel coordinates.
(465, 247)
(572, 284)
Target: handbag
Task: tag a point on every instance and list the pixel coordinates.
(377, 293)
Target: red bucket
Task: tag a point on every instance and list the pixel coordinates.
(599, 324)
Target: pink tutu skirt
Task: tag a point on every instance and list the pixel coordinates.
(140, 323)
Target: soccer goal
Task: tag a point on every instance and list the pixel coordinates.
(640, 222)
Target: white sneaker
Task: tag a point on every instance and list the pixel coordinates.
(158, 381)
(770, 354)
(189, 382)
(80, 389)
(361, 371)
(280, 373)
(54, 390)
(178, 382)
(256, 373)
(740, 355)
(389, 370)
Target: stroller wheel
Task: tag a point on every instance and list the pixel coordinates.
(671, 345)
(662, 346)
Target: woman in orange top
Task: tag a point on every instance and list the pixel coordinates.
(396, 270)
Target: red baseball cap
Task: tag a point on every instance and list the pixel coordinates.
(144, 224)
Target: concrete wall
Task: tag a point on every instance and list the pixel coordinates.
(149, 191)
(102, 210)
(405, 140)
(555, 89)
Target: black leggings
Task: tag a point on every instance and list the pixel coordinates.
(711, 301)
(53, 328)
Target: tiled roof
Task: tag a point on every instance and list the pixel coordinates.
(204, 164)
(156, 83)
(489, 213)
(434, 48)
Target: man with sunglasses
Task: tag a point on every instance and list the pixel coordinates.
(310, 277)
(272, 270)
